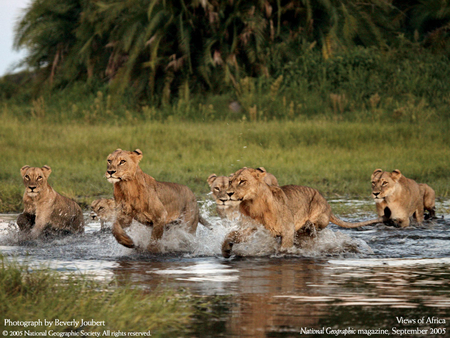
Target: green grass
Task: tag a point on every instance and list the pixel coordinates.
(336, 158)
(28, 294)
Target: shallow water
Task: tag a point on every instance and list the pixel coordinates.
(343, 279)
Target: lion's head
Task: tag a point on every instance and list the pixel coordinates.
(102, 209)
(219, 186)
(122, 165)
(35, 179)
(244, 184)
(384, 183)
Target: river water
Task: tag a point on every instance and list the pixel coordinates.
(377, 281)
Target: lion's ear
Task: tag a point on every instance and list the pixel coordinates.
(376, 171)
(138, 153)
(260, 174)
(211, 178)
(262, 169)
(46, 170)
(24, 169)
(396, 174)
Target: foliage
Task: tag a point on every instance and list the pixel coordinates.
(359, 84)
(159, 48)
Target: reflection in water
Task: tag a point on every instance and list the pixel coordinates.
(359, 279)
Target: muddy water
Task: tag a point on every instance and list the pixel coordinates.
(378, 281)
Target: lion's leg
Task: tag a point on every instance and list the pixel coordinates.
(42, 221)
(383, 211)
(431, 213)
(26, 221)
(288, 234)
(192, 218)
(429, 205)
(122, 221)
(237, 236)
(419, 214)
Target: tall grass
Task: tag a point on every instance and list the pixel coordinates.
(334, 157)
(28, 294)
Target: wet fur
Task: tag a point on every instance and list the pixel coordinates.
(398, 198)
(281, 210)
(139, 196)
(103, 209)
(46, 211)
(227, 208)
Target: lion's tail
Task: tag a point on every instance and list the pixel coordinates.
(344, 224)
(205, 222)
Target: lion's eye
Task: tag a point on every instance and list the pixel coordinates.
(373, 183)
(39, 178)
(242, 182)
(216, 189)
(122, 162)
(109, 161)
(27, 177)
(384, 184)
(101, 208)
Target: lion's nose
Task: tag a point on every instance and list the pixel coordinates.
(32, 188)
(110, 172)
(230, 193)
(376, 194)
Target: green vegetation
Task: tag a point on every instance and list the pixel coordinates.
(363, 84)
(189, 59)
(28, 294)
(334, 157)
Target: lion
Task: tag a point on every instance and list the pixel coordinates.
(45, 211)
(398, 198)
(284, 211)
(103, 209)
(139, 196)
(227, 208)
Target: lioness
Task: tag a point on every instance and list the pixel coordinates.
(103, 209)
(281, 210)
(139, 196)
(227, 208)
(398, 198)
(44, 209)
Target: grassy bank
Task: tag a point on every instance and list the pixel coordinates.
(334, 157)
(42, 294)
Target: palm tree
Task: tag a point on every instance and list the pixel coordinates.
(47, 31)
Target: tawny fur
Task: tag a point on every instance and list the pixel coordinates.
(139, 196)
(227, 208)
(281, 210)
(398, 198)
(103, 210)
(46, 211)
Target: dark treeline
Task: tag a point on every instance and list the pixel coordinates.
(361, 54)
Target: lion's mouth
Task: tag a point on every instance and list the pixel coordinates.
(32, 193)
(112, 179)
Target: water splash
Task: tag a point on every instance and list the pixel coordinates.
(176, 240)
